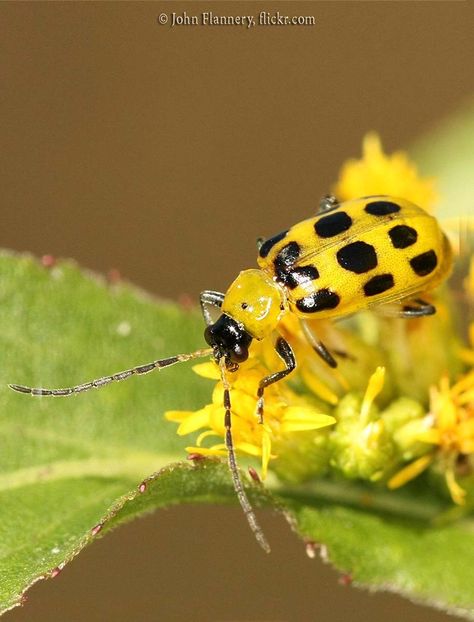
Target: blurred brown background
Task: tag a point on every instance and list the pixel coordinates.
(165, 152)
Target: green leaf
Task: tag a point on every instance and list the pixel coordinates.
(65, 461)
(404, 542)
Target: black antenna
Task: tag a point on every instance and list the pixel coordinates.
(121, 375)
(234, 469)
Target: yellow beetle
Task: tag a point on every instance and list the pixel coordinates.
(376, 251)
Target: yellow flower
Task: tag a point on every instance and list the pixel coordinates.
(285, 413)
(449, 426)
(355, 357)
(378, 173)
(424, 421)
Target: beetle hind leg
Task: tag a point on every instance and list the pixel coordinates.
(417, 308)
(409, 308)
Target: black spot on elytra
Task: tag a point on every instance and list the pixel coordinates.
(333, 224)
(299, 275)
(288, 255)
(425, 263)
(319, 301)
(358, 257)
(382, 208)
(379, 284)
(285, 260)
(270, 243)
(402, 236)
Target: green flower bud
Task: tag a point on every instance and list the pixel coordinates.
(360, 448)
(404, 419)
(302, 456)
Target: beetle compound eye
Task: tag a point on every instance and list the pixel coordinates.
(239, 354)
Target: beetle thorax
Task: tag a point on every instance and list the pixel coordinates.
(255, 301)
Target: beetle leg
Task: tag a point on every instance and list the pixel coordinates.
(415, 307)
(327, 203)
(318, 346)
(208, 299)
(284, 351)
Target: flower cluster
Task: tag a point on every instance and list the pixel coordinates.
(285, 413)
(400, 402)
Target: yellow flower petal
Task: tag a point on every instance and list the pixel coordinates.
(466, 382)
(207, 370)
(373, 389)
(432, 436)
(301, 426)
(299, 419)
(249, 448)
(318, 387)
(218, 450)
(410, 472)
(196, 420)
(178, 415)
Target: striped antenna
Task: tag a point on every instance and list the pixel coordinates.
(121, 375)
(234, 469)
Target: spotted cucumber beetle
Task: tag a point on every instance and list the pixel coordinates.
(376, 251)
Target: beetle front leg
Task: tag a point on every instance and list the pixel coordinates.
(284, 351)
